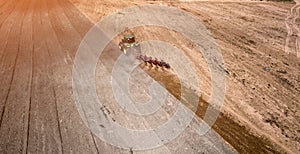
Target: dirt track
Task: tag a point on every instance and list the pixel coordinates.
(39, 40)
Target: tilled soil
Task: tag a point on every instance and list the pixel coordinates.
(39, 40)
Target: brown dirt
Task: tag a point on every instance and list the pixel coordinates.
(251, 36)
(38, 43)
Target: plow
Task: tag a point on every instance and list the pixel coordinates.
(129, 41)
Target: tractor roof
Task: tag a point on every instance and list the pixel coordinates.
(128, 36)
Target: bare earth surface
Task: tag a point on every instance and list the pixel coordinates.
(39, 40)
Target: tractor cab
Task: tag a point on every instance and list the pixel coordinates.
(129, 38)
(128, 41)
